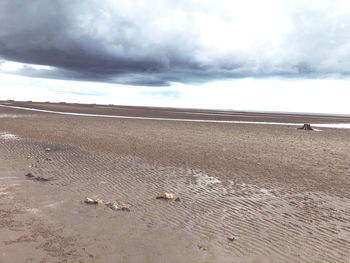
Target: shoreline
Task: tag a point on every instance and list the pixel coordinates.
(223, 110)
(319, 125)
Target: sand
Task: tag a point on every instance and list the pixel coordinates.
(282, 193)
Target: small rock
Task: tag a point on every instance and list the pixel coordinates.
(126, 207)
(29, 175)
(38, 178)
(47, 149)
(202, 248)
(306, 127)
(48, 159)
(177, 199)
(91, 201)
(114, 206)
(232, 238)
(41, 179)
(166, 196)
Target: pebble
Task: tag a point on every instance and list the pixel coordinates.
(114, 206)
(165, 196)
(233, 238)
(90, 201)
(47, 149)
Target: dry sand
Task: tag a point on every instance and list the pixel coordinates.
(282, 193)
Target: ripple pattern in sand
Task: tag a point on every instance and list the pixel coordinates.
(283, 224)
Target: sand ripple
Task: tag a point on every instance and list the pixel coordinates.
(284, 224)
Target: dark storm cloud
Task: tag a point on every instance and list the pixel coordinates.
(142, 42)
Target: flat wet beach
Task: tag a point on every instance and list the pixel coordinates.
(247, 192)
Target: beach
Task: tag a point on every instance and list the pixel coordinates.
(248, 192)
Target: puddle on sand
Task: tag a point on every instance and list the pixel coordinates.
(8, 136)
(14, 115)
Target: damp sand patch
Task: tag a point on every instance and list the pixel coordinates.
(8, 136)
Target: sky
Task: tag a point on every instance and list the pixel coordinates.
(272, 55)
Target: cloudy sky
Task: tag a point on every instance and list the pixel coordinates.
(279, 55)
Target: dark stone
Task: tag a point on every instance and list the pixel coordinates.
(41, 179)
(306, 127)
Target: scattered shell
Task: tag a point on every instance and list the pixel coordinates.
(165, 196)
(47, 149)
(48, 159)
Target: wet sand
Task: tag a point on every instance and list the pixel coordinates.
(282, 193)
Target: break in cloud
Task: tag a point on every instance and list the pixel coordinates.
(157, 42)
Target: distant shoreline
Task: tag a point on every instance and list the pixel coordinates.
(179, 108)
(182, 115)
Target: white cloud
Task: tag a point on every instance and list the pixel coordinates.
(317, 96)
(12, 66)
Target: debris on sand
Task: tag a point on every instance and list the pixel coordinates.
(232, 238)
(48, 149)
(126, 207)
(41, 179)
(91, 201)
(38, 178)
(116, 207)
(306, 127)
(112, 205)
(166, 196)
(48, 159)
(29, 175)
(177, 199)
(201, 247)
